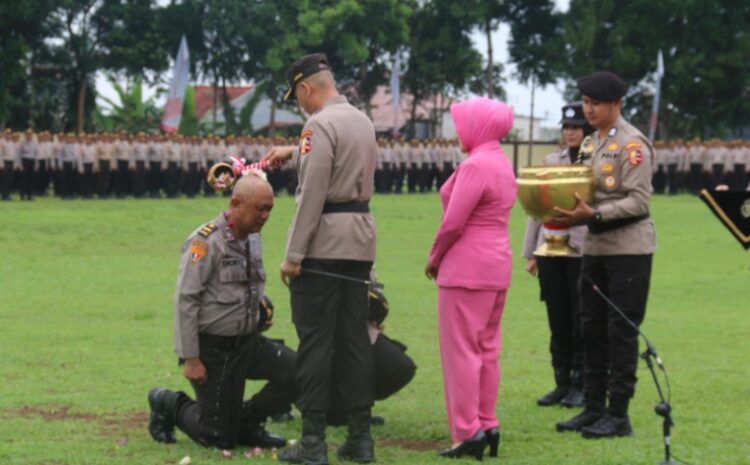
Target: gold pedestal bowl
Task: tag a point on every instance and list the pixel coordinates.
(542, 188)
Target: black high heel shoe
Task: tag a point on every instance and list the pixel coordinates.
(474, 446)
(493, 440)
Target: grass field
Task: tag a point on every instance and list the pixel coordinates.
(86, 330)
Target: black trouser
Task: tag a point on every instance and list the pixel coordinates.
(214, 419)
(139, 179)
(275, 363)
(87, 181)
(740, 178)
(393, 370)
(122, 178)
(67, 180)
(172, 180)
(672, 179)
(610, 343)
(154, 178)
(445, 174)
(27, 184)
(292, 182)
(695, 177)
(103, 178)
(717, 174)
(558, 280)
(398, 177)
(334, 352)
(412, 177)
(41, 182)
(191, 180)
(6, 179)
(387, 178)
(208, 191)
(659, 180)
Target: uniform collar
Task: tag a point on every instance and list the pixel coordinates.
(222, 222)
(337, 100)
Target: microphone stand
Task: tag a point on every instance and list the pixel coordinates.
(663, 408)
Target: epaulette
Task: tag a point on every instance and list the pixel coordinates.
(207, 230)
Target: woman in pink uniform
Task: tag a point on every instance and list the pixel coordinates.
(471, 262)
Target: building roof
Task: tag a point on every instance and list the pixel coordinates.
(204, 97)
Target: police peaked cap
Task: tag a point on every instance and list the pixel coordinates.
(602, 85)
(302, 68)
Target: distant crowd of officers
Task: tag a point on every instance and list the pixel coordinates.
(694, 165)
(147, 165)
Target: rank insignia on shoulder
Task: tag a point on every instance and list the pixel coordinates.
(207, 230)
(587, 146)
(305, 142)
(635, 153)
(198, 250)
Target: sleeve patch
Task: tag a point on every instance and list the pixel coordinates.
(198, 250)
(305, 142)
(207, 230)
(635, 153)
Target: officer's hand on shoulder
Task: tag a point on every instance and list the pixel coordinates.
(195, 370)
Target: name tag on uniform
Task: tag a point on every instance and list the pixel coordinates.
(230, 262)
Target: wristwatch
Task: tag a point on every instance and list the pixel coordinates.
(597, 216)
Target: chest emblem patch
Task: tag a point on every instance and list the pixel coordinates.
(608, 168)
(613, 146)
(610, 182)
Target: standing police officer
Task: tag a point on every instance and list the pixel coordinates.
(617, 257)
(219, 288)
(333, 232)
(558, 277)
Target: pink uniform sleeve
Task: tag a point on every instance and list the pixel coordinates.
(467, 191)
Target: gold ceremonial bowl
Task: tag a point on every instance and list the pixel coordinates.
(221, 176)
(542, 188)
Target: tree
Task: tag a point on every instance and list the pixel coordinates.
(442, 63)
(23, 27)
(132, 113)
(704, 43)
(78, 34)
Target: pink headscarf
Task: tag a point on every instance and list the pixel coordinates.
(480, 121)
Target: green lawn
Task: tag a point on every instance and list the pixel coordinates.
(86, 330)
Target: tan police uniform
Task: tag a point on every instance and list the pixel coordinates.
(336, 159)
(622, 168)
(333, 231)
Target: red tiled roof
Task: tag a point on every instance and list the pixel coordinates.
(204, 97)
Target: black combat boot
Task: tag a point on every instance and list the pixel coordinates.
(312, 449)
(575, 396)
(562, 385)
(614, 423)
(163, 404)
(593, 411)
(359, 446)
(254, 429)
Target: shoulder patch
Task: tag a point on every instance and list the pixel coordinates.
(634, 150)
(305, 142)
(207, 230)
(198, 250)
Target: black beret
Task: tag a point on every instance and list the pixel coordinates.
(602, 85)
(572, 114)
(302, 68)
